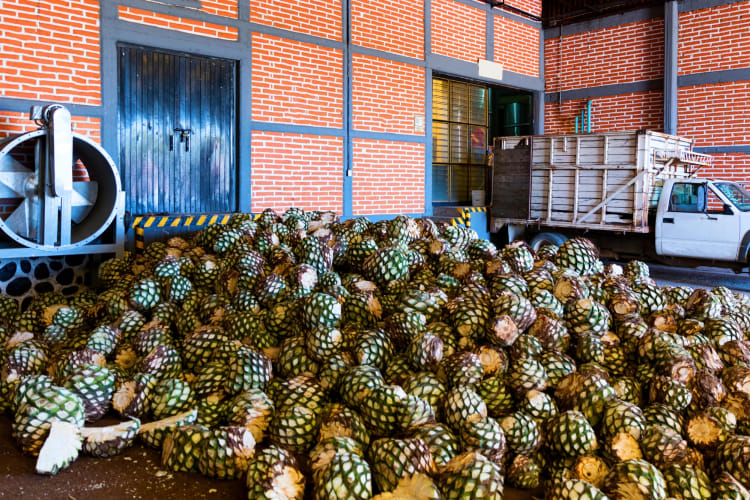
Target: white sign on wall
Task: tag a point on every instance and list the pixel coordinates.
(490, 69)
(418, 123)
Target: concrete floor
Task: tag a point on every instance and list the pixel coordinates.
(135, 474)
(701, 277)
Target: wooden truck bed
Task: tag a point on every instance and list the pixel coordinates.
(605, 181)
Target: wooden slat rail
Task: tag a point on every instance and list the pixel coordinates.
(549, 194)
(575, 193)
(617, 191)
(604, 194)
(621, 189)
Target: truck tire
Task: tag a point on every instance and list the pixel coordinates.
(540, 239)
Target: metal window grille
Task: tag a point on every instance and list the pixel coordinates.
(459, 139)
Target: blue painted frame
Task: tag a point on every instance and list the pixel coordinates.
(192, 4)
(348, 166)
(428, 110)
(671, 59)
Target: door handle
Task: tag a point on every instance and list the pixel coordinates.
(668, 220)
(708, 217)
(184, 137)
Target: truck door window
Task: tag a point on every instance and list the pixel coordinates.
(738, 195)
(684, 197)
(714, 205)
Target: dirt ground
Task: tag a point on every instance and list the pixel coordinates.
(135, 474)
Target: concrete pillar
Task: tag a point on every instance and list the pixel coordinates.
(671, 29)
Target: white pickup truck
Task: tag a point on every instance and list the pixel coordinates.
(703, 219)
(634, 193)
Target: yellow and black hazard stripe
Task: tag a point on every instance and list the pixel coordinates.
(458, 221)
(153, 221)
(464, 218)
(143, 222)
(139, 239)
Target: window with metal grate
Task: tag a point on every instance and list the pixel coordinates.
(459, 139)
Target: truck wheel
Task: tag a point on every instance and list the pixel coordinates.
(543, 238)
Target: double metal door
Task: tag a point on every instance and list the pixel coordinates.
(177, 131)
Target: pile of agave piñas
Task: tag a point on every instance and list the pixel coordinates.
(397, 359)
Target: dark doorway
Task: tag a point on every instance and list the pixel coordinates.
(177, 131)
(466, 116)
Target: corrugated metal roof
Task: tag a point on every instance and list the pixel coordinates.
(557, 12)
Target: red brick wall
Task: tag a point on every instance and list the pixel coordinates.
(715, 115)
(182, 24)
(386, 95)
(627, 53)
(12, 123)
(458, 30)
(318, 17)
(715, 39)
(388, 177)
(729, 166)
(220, 8)
(391, 25)
(42, 59)
(297, 170)
(88, 126)
(621, 54)
(517, 46)
(296, 82)
(641, 110)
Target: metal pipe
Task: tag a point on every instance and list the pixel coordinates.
(576, 124)
(583, 120)
(588, 116)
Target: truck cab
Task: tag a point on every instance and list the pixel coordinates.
(705, 219)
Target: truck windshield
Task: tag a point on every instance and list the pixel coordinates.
(736, 194)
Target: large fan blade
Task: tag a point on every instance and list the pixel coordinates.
(24, 220)
(13, 178)
(83, 198)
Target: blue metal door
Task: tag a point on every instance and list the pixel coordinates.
(177, 131)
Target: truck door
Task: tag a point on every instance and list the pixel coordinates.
(511, 181)
(697, 224)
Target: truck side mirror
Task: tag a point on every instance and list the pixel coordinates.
(727, 209)
(702, 205)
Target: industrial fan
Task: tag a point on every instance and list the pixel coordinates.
(60, 191)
